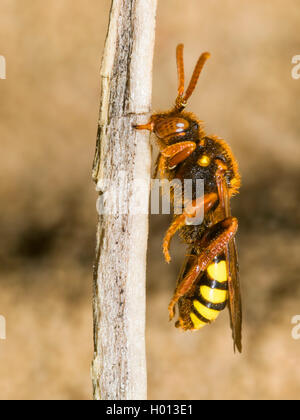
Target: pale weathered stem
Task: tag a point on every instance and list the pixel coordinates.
(122, 173)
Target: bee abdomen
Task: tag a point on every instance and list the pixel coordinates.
(212, 294)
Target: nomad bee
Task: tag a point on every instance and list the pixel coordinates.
(208, 281)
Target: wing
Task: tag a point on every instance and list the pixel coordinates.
(234, 295)
(234, 292)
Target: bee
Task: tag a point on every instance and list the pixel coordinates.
(208, 280)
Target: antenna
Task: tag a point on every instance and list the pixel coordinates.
(181, 100)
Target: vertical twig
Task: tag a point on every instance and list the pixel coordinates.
(123, 157)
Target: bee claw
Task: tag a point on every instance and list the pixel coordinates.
(167, 258)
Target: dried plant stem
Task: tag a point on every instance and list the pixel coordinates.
(122, 157)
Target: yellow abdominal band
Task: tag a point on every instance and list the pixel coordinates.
(212, 296)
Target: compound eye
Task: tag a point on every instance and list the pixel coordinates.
(166, 127)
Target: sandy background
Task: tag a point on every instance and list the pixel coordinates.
(48, 123)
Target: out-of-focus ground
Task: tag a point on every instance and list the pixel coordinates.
(48, 121)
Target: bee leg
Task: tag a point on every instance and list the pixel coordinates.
(178, 152)
(156, 167)
(160, 166)
(170, 156)
(177, 224)
(210, 246)
(207, 201)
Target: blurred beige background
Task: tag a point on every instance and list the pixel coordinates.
(48, 123)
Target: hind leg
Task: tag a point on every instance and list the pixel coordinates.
(206, 202)
(211, 245)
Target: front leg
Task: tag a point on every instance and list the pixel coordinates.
(178, 152)
(172, 155)
(213, 243)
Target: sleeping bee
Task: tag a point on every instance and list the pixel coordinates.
(208, 281)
